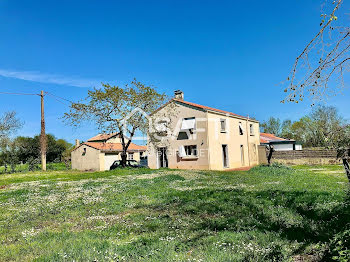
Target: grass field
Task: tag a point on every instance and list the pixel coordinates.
(265, 214)
(25, 167)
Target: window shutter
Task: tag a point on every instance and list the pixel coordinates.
(188, 124)
(182, 152)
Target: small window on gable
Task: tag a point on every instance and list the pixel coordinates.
(223, 125)
(161, 128)
(251, 129)
(84, 151)
(240, 126)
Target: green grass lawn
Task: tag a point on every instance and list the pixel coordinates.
(265, 214)
(25, 167)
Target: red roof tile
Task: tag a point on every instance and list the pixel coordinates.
(266, 138)
(102, 137)
(208, 108)
(202, 107)
(114, 147)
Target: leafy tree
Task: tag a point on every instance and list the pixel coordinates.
(28, 148)
(112, 109)
(320, 128)
(272, 125)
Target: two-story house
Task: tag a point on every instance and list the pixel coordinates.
(204, 138)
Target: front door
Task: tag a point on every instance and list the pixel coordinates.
(225, 156)
(162, 157)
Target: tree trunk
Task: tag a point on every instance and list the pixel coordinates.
(123, 161)
(347, 168)
(269, 157)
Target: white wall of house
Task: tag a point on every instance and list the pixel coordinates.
(87, 158)
(283, 147)
(209, 140)
(298, 147)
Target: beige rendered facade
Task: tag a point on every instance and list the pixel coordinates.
(100, 152)
(214, 140)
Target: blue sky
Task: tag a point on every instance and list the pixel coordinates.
(226, 54)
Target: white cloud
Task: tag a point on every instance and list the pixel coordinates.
(49, 78)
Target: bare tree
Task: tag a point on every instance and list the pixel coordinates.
(319, 69)
(9, 123)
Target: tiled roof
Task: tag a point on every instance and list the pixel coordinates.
(114, 147)
(102, 137)
(209, 108)
(266, 138)
(206, 108)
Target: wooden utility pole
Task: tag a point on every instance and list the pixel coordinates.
(42, 134)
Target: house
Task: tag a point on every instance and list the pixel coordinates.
(201, 137)
(100, 151)
(278, 143)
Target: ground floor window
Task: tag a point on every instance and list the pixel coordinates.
(191, 150)
(131, 156)
(225, 155)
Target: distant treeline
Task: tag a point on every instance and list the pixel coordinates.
(27, 149)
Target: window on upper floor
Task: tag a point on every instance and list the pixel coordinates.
(251, 129)
(188, 124)
(223, 125)
(182, 136)
(240, 128)
(161, 128)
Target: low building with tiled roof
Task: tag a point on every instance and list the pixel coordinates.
(278, 143)
(203, 137)
(101, 151)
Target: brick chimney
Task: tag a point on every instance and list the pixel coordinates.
(77, 143)
(179, 94)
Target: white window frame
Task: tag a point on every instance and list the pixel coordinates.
(130, 156)
(191, 149)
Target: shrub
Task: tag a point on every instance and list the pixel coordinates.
(339, 247)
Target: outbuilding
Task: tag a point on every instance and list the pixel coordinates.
(100, 152)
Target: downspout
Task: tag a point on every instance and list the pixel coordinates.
(209, 164)
(248, 141)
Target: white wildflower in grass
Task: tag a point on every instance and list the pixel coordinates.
(30, 233)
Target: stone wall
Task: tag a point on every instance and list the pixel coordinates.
(318, 156)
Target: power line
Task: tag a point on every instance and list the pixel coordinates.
(56, 96)
(57, 99)
(23, 94)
